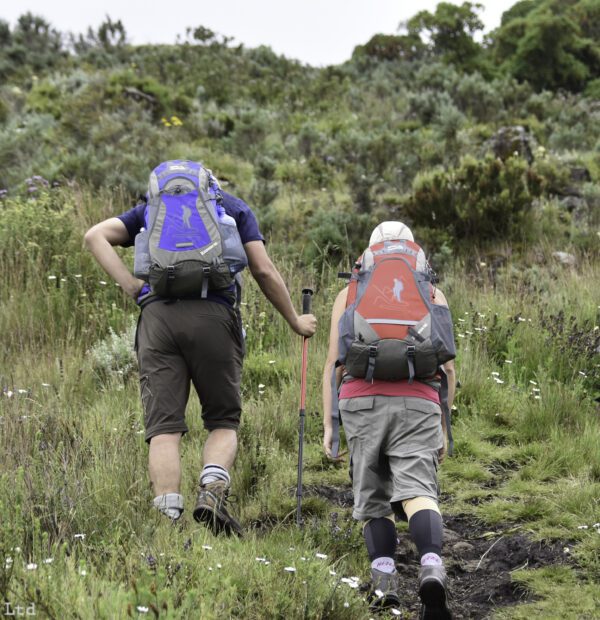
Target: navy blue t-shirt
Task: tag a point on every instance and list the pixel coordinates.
(245, 220)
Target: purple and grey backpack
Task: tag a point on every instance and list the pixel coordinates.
(189, 245)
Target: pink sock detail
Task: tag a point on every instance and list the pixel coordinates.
(385, 565)
(431, 559)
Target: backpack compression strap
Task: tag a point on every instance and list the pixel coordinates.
(445, 409)
(335, 415)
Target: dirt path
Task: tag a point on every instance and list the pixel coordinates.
(479, 561)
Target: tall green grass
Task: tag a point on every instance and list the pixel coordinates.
(74, 492)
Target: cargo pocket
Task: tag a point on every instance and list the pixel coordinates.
(424, 424)
(355, 425)
(146, 394)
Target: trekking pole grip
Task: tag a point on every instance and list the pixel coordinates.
(306, 300)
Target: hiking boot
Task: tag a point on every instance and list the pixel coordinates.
(385, 588)
(433, 595)
(211, 509)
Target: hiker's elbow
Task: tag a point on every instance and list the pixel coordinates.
(90, 237)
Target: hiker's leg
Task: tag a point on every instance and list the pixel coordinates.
(164, 464)
(216, 375)
(426, 528)
(380, 538)
(218, 455)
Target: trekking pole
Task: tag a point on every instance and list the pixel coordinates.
(306, 299)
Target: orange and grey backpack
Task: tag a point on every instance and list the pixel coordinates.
(391, 330)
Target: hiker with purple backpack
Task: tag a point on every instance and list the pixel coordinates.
(391, 352)
(192, 240)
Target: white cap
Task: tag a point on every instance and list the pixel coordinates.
(390, 231)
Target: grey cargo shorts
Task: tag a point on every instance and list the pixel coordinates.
(183, 341)
(394, 443)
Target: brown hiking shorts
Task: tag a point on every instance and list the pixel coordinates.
(394, 443)
(183, 341)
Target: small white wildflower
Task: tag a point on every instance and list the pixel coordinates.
(332, 572)
(46, 385)
(289, 569)
(83, 572)
(379, 593)
(566, 550)
(271, 361)
(219, 565)
(482, 264)
(508, 361)
(396, 612)
(582, 527)
(142, 609)
(346, 604)
(51, 277)
(267, 563)
(77, 275)
(536, 390)
(31, 566)
(596, 525)
(537, 397)
(261, 559)
(17, 549)
(63, 279)
(261, 392)
(532, 382)
(499, 380)
(303, 559)
(521, 319)
(292, 549)
(9, 394)
(102, 283)
(207, 547)
(9, 560)
(461, 335)
(79, 536)
(496, 374)
(139, 432)
(461, 320)
(321, 556)
(261, 386)
(582, 373)
(22, 391)
(48, 560)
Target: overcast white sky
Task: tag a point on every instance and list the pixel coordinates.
(317, 32)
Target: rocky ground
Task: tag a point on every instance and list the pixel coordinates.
(479, 560)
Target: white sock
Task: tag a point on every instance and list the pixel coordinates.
(431, 559)
(384, 565)
(170, 504)
(212, 472)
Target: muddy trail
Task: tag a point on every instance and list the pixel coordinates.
(479, 560)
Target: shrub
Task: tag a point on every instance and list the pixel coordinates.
(113, 358)
(480, 200)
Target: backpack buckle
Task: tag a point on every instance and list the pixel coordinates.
(171, 272)
(373, 350)
(411, 350)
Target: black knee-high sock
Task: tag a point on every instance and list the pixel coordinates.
(380, 536)
(427, 531)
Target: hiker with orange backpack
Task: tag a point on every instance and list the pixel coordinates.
(390, 355)
(192, 240)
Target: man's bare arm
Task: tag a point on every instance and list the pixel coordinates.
(99, 240)
(272, 285)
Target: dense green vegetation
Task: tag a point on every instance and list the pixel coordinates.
(492, 156)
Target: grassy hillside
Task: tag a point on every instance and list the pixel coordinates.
(321, 155)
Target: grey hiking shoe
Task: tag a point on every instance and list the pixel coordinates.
(385, 590)
(211, 509)
(433, 595)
